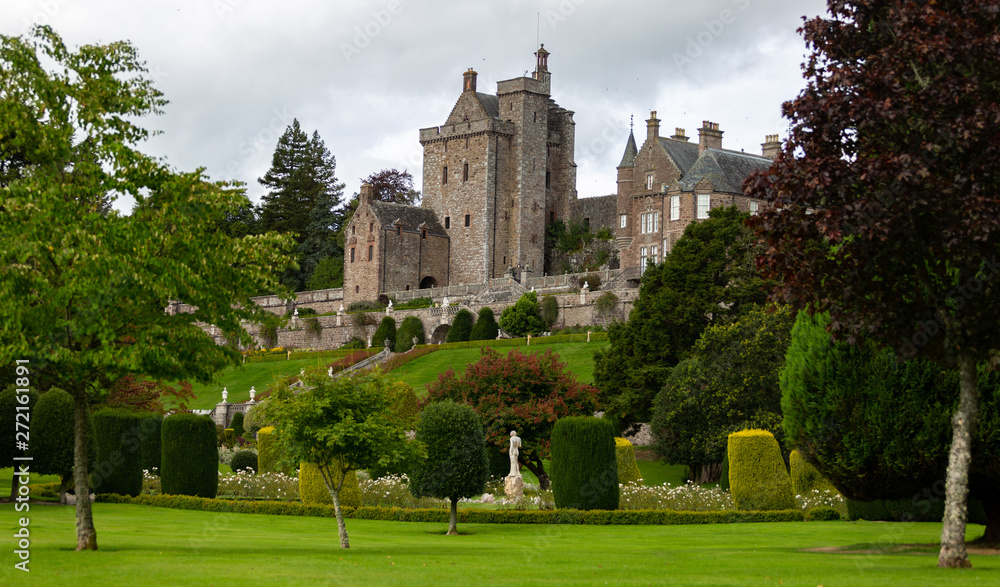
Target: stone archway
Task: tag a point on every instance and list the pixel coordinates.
(440, 333)
(428, 283)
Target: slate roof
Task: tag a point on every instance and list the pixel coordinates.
(628, 159)
(726, 170)
(683, 153)
(490, 103)
(411, 216)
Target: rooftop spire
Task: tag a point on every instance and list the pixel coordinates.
(628, 159)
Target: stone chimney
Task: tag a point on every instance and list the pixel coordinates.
(679, 135)
(771, 146)
(366, 193)
(469, 80)
(542, 65)
(652, 126)
(709, 136)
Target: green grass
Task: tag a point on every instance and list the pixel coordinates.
(658, 473)
(142, 545)
(578, 356)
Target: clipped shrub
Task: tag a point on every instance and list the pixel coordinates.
(268, 450)
(412, 327)
(758, 480)
(150, 429)
(363, 306)
(628, 468)
(549, 310)
(522, 318)
(823, 514)
(584, 466)
(461, 327)
(237, 424)
(485, 327)
(386, 331)
(312, 488)
(230, 436)
(117, 436)
(190, 456)
(51, 435)
(244, 460)
(805, 477)
(354, 343)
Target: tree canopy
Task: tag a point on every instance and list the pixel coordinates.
(86, 288)
(523, 317)
(884, 205)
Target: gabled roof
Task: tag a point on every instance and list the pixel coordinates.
(628, 159)
(726, 170)
(683, 153)
(474, 106)
(491, 104)
(410, 217)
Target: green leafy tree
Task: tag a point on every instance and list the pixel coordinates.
(729, 384)
(341, 425)
(8, 427)
(884, 205)
(486, 327)
(52, 438)
(86, 290)
(523, 317)
(708, 278)
(549, 311)
(329, 273)
(878, 427)
(302, 200)
(461, 327)
(457, 464)
(526, 393)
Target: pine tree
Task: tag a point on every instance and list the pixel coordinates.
(303, 199)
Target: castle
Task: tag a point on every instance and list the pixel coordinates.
(500, 170)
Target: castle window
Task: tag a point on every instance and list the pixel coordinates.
(447, 222)
(407, 288)
(643, 260)
(371, 227)
(653, 252)
(704, 201)
(622, 222)
(552, 216)
(352, 254)
(465, 172)
(650, 221)
(466, 142)
(468, 219)
(399, 231)
(548, 176)
(370, 248)
(649, 181)
(534, 117)
(354, 229)
(534, 239)
(675, 209)
(512, 106)
(754, 207)
(423, 234)
(446, 146)
(357, 288)
(444, 175)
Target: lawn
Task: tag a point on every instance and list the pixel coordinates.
(142, 545)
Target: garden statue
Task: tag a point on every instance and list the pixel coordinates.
(225, 394)
(513, 485)
(253, 392)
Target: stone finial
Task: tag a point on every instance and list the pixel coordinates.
(414, 341)
(295, 313)
(386, 343)
(225, 395)
(253, 393)
(341, 310)
(586, 285)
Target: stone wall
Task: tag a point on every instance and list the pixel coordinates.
(598, 212)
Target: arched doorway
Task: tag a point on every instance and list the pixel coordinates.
(428, 283)
(440, 333)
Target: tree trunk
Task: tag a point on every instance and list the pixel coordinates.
(86, 536)
(539, 471)
(341, 528)
(953, 553)
(453, 518)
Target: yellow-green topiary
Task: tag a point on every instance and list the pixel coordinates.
(805, 477)
(628, 469)
(312, 488)
(758, 480)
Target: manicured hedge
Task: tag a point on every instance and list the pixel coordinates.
(237, 424)
(412, 327)
(461, 327)
(628, 469)
(190, 456)
(908, 510)
(151, 430)
(117, 436)
(268, 451)
(51, 434)
(805, 477)
(486, 327)
(758, 479)
(312, 488)
(584, 467)
(386, 331)
(474, 516)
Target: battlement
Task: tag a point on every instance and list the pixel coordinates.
(450, 131)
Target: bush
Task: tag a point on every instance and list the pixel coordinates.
(823, 514)
(486, 326)
(584, 467)
(117, 436)
(190, 456)
(220, 434)
(244, 460)
(606, 305)
(386, 331)
(457, 464)
(149, 441)
(254, 420)
(412, 327)
(364, 306)
(268, 451)
(549, 311)
(312, 488)
(593, 281)
(805, 477)
(628, 469)
(908, 510)
(354, 343)
(758, 479)
(522, 318)
(51, 434)
(237, 424)
(230, 436)
(461, 327)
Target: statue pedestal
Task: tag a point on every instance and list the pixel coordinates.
(513, 486)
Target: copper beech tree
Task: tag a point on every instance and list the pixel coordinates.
(884, 204)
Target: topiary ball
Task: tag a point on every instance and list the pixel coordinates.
(244, 460)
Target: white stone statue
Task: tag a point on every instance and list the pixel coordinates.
(586, 285)
(329, 372)
(341, 310)
(225, 394)
(390, 304)
(295, 313)
(445, 303)
(515, 449)
(253, 392)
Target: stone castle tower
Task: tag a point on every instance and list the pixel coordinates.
(497, 172)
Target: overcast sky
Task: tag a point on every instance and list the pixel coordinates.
(369, 74)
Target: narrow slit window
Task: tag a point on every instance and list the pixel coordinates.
(468, 219)
(444, 175)
(465, 172)
(447, 222)
(370, 251)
